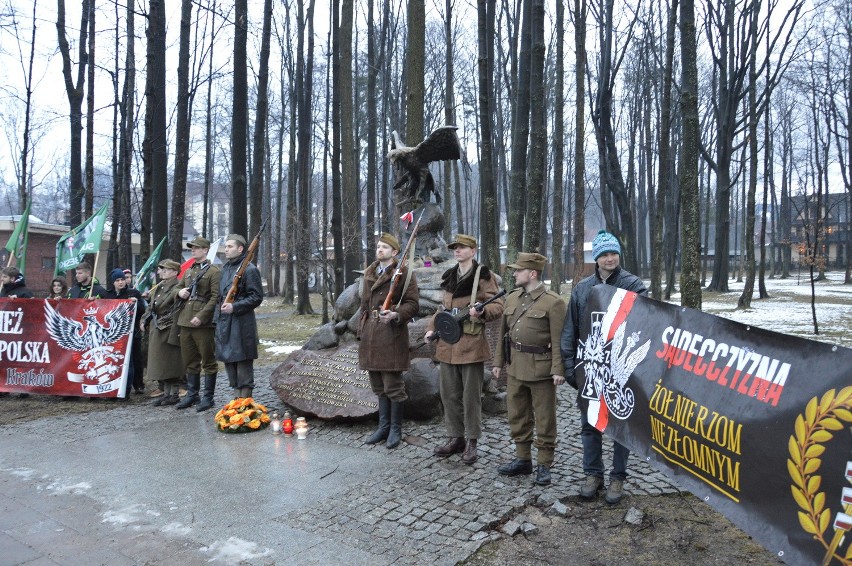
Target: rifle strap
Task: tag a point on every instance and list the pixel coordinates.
(408, 274)
(475, 285)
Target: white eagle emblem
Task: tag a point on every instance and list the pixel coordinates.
(99, 359)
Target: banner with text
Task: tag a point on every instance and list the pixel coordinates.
(756, 423)
(74, 347)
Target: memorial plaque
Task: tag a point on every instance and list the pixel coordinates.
(325, 383)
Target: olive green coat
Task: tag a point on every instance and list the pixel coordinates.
(203, 303)
(533, 319)
(164, 360)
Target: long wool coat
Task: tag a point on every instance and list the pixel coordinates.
(470, 348)
(384, 347)
(164, 360)
(236, 334)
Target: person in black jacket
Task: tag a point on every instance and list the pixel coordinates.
(236, 326)
(120, 290)
(86, 283)
(606, 252)
(14, 285)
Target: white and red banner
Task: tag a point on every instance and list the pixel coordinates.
(756, 423)
(73, 347)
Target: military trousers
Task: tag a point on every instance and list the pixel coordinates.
(461, 395)
(389, 384)
(197, 348)
(532, 414)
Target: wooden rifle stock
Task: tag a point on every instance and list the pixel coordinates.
(396, 274)
(250, 254)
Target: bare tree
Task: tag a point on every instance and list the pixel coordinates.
(580, 11)
(489, 212)
(262, 111)
(538, 132)
(304, 90)
(558, 151)
(74, 92)
(88, 208)
(239, 121)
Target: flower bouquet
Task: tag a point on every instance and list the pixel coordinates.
(242, 415)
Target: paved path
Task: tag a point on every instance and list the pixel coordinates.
(147, 485)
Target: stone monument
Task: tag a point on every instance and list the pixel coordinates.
(323, 379)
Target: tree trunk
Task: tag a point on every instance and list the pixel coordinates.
(490, 200)
(690, 273)
(538, 134)
(239, 119)
(516, 209)
(558, 274)
(415, 67)
(353, 258)
(304, 93)
(182, 133)
(580, 11)
(74, 92)
(88, 209)
(262, 111)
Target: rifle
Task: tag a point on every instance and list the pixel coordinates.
(250, 253)
(396, 274)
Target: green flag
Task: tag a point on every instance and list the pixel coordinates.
(145, 277)
(17, 244)
(82, 240)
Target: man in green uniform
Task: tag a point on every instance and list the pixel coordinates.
(529, 335)
(199, 287)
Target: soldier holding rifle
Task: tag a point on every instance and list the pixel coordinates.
(199, 289)
(389, 300)
(462, 364)
(236, 326)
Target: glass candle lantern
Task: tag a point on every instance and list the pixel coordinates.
(287, 424)
(275, 424)
(301, 428)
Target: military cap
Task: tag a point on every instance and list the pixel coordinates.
(463, 240)
(529, 261)
(169, 264)
(199, 242)
(390, 240)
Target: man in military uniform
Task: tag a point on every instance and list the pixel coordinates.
(199, 287)
(529, 335)
(462, 364)
(383, 350)
(606, 252)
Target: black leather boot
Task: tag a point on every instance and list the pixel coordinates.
(395, 434)
(209, 390)
(384, 422)
(193, 383)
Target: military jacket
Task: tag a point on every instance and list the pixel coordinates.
(202, 303)
(532, 320)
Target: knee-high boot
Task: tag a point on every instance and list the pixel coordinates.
(193, 384)
(395, 434)
(209, 390)
(384, 422)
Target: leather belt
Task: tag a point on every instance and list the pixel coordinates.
(529, 349)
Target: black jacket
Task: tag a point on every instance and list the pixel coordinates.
(16, 288)
(576, 308)
(82, 291)
(129, 293)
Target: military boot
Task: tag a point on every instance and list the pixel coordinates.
(193, 384)
(209, 390)
(452, 446)
(381, 433)
(395, 434)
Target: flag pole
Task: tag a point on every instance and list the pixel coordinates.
(94, 270)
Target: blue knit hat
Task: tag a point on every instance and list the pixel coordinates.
(604, 242)
(115, 274)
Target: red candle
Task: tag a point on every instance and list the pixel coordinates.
(287, 426)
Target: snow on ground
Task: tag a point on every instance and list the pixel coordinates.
(788, 308)
(271, 347)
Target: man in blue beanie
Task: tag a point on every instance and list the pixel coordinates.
(606, 252)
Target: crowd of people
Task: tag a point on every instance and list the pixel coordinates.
(539, 335)
(189, 324)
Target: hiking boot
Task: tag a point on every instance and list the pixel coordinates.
(469, 456)
(516, 467)
(157, 393)
(542, 475)
(614, 492)
(591, 487)
(452, 446)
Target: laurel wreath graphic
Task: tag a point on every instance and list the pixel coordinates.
(813, 429)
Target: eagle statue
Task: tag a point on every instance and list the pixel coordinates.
(441, 145)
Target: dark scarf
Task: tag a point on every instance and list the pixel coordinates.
(451, 284)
